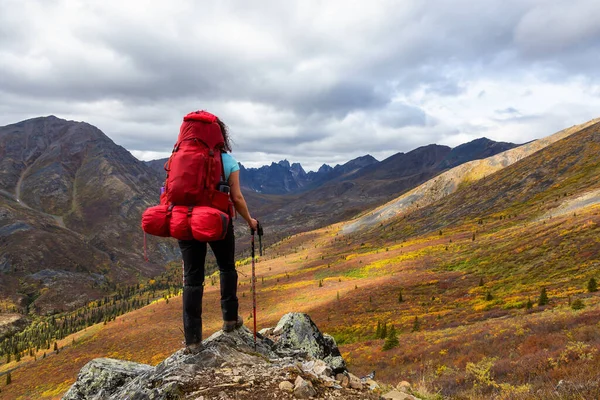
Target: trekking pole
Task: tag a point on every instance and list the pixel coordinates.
(253, 289)
(259, 229)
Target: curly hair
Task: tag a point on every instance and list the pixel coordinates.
(225, 132)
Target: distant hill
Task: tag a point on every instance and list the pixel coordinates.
(474, 150)
(70, 207)
(450, 181)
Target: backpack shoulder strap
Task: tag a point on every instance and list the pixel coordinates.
(223, 176)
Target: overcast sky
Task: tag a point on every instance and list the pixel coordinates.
(311, 81)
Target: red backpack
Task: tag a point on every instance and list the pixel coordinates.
(191, 205)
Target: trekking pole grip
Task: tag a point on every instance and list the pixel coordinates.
(260, 235)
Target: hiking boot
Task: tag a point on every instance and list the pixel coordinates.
(194, 348)
(229, 326)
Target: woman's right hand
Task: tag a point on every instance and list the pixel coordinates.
(253, 224)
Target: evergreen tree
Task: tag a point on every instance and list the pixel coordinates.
(543, 299)
(391, 340)
(378, 330)
(592, 285)
(56, 347)
(480, 281)
(383, 331)
(8, 378)
(416, 324)
(489, 297)
(400, 299)
(529, 304)
(577, 304)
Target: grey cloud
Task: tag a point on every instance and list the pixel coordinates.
(134, 74)
(401, 115)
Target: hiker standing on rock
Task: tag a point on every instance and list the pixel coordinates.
(201, 190)
(194, 254)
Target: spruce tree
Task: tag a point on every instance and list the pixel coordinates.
(8, 378)
(489, 297)
(383, 331)
(529, 304)
(416, 324)
(592, 285)
(378, 330)
(391, 340)
(577, 304)
(543, 299)
(400, 299)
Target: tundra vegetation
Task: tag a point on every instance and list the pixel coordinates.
(487, 318)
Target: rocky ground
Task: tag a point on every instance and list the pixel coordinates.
(294, 360)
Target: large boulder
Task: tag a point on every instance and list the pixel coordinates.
(101, 378)
(229, 365)
(296, 332)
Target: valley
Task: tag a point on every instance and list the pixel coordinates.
(488, 288)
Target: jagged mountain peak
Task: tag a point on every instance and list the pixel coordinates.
(323, 169)
(284, 164)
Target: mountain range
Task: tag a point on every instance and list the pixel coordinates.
(285, 178)
(71, 200)
(288, 200)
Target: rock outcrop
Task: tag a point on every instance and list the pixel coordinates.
(292, 360)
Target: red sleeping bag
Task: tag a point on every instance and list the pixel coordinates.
(205, 224)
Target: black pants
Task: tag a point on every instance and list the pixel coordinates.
(194, 255)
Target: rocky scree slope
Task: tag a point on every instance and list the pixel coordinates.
(70, 207)
(292, 360)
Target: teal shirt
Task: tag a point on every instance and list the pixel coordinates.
(230, 164)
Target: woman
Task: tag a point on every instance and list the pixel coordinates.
(194, 254)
